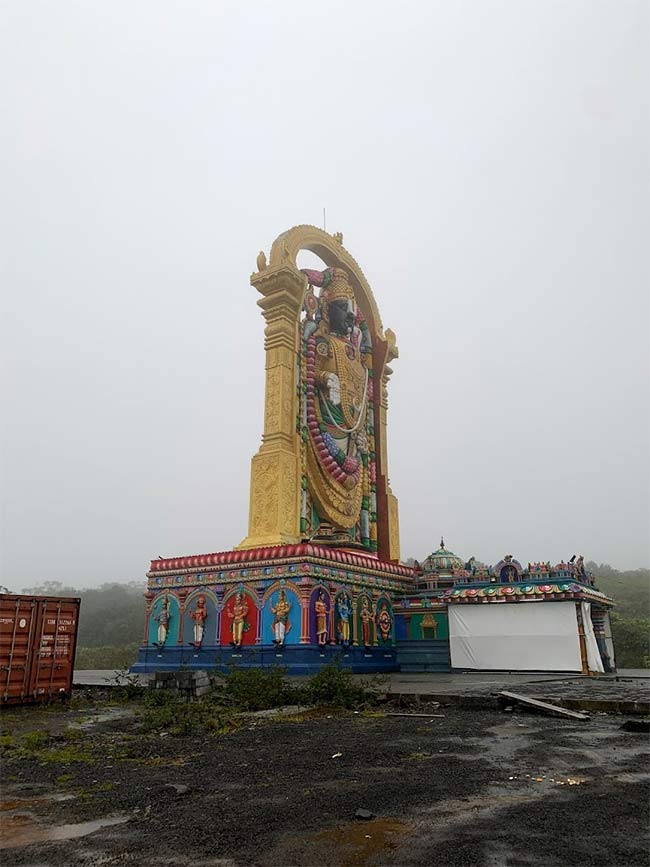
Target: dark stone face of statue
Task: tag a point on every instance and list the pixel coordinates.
(341, 319)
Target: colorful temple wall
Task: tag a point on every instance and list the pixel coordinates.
(285, 609)
(258, 629)
(305, 605)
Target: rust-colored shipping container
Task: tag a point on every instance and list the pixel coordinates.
(38, 639)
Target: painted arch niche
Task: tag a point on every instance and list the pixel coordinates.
(343, 616)
(247, 617)
(200, 619)
(385, 621)
(281, 624)
(366, 620)
(321, 616)
(164, 621)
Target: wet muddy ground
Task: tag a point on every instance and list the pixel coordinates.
(467, 788)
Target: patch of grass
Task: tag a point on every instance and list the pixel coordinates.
(251, 690)
(73, 734)
(261, 688)
(128, 685)
(264, 688)
(420, 757)
(241, 690)
(7, 742)
(36, 745)
(165, 711)
(65, 755)
(334, 686)
(64, 779)
(33, 741)
(162, 761)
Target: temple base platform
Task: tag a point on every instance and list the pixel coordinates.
(297, 660)
(278, 604)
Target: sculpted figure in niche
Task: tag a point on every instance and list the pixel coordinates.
(163, 619)
(199, 616)
(344, 607)
(281, 623)
(238, 617)
(384, 622)
(367, 617)
(320, 607)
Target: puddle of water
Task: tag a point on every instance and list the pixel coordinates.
(23, 829)
(110, 714)
(633, 777)
(511, 728)
(22, 803)
(359, 843)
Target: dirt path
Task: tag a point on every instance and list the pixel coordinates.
(473, 788)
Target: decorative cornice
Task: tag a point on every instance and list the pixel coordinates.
(523, 592)
(275, 555)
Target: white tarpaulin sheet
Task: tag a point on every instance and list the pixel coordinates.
(525, 636)
(594, 661)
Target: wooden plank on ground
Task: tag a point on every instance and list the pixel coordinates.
(423, 715)
(544, 706)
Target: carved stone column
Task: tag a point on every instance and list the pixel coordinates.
(274, 516)
(354, 636)
(149, 602)
(304, 617)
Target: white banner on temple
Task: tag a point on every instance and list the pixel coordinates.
(594, 661)
(515, 637)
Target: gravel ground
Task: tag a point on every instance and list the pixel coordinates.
(471, 788)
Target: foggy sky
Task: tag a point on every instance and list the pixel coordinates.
(487, 163)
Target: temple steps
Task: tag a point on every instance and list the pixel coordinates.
(429, 655)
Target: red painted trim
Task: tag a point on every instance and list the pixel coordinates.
(281, 552)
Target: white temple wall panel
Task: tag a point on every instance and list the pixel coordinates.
(541, 636)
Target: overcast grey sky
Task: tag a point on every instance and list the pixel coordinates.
(487, 163)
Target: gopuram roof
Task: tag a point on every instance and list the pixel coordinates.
(442, 560)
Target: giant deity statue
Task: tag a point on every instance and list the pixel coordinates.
(338, 415)
(321, 472)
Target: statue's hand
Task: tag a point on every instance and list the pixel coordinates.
(333, 385)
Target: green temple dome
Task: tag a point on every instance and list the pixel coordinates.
(442, 560)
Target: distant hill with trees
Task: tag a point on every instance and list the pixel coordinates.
(111, 623)
(630, 590)
(631, 617)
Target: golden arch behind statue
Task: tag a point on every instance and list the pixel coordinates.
(276, 468)
(287, 246)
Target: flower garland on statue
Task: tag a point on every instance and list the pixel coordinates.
(335, 460)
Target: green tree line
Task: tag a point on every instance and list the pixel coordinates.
(111, 621)
(631, 617)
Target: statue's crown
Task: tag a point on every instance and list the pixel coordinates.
(338, 286)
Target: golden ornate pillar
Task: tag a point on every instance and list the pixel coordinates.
(389, 548)
(274, 514)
